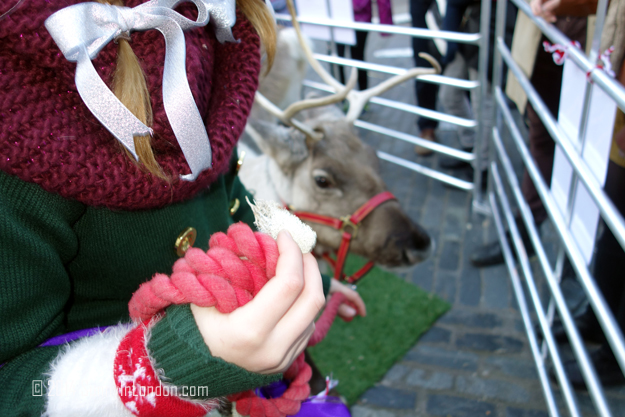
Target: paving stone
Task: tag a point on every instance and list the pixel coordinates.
(459, 198)
(436, 335)
(423, 275)
(390, 398)
(454, 226)
(452, 359)
(362, 411)
(438, 189)
(420, 185)
(516, 367)
(496, 287)
(472, 319)
(519, 412)
(449, 258)
(514, 304)
(470, 292)
(489, 343)
(430, 380)
(396, 373)
(492, 389)
(452, 406)
(433, 213)
(445, 285)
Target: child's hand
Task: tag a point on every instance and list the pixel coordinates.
(269, 332)
(347, 312)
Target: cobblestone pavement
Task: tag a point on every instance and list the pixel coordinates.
(475, 361)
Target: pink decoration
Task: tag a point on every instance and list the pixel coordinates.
(233, 270)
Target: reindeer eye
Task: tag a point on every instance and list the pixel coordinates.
(322, 182)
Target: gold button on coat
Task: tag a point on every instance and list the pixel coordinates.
(240, 162)
(185, 240)
(234, 206)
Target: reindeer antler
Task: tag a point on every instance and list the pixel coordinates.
(286, 116)
(358, 99)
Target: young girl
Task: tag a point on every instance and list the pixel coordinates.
(83, 224)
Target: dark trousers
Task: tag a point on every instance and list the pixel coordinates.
(357, 52)
(610, 257)
(425, 92)
(453, 17)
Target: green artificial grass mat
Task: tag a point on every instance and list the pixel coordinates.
(359, 353)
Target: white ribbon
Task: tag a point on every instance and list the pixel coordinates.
(82, 30)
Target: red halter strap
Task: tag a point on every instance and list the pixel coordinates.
(348, 225)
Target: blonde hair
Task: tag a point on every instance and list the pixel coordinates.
(130, 87)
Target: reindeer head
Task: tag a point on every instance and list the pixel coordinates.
(333, 177)
(321, 166)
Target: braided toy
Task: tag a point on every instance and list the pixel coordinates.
(234, 269)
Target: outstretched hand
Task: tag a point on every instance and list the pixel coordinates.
(348, 312)
(269, 332)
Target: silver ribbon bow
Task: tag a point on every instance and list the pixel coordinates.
(82, 30)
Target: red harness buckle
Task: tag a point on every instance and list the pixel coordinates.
(350, 222)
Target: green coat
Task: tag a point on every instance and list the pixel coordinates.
(65, 266)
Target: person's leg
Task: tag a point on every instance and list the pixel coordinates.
(454, 13)
(608, 273)
(425, 92)
(456, 103)
(358, 52)
(340, 51)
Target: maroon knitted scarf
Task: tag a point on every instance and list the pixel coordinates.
(49, 137)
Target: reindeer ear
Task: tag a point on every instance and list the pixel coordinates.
(286, 145)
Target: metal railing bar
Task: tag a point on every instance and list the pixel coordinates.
(602, 8)
(557, 273)
(433, 79)
(595, 296)
(409, 108)
(608, 211)
(567, 390)
(471, 38)
(607, 83)
(436, 147)
(482, 66)
(524, 310)
(447, 179)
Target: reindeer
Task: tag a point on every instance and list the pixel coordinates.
(316, 163)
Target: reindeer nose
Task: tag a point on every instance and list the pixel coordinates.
(416, 245)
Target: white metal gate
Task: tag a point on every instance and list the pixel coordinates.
(502, 177)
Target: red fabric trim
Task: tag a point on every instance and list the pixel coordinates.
(139, 388)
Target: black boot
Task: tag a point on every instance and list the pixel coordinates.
(491, 253)
(587, 325)
(605, 363)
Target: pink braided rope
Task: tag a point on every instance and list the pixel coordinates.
(233, 270)
(227, 276)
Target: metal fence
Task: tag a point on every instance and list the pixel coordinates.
(548, 353)
(504, 196)
(479, 39)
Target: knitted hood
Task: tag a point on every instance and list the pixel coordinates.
(49, 137)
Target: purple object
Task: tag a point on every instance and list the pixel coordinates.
(68, 337)
(312, 407)
(273, 390)
(71, 336)
(324, 407)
